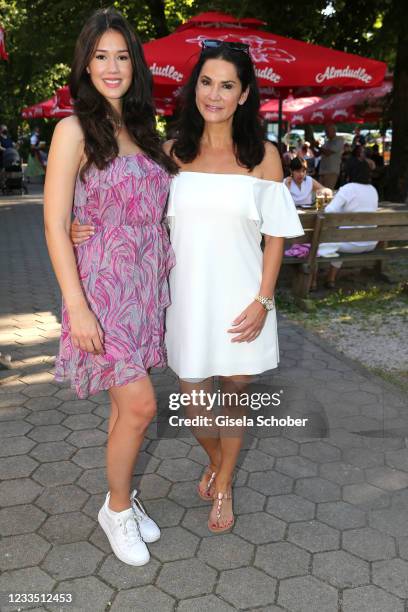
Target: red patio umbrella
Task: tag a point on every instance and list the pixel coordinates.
(291, 107)
(282, 65)
(3, 52)
(47, 109)
(37, 111)
(350, 106)
(63, 105)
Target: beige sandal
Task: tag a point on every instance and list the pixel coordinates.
(204, 493)
(213, 527)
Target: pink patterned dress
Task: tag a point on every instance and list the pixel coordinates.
(123, 270)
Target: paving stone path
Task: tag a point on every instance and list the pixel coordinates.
(321, 514)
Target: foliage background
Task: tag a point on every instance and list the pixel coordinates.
(40, 36)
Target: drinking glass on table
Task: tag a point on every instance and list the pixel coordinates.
(323, 197)
(320, 200)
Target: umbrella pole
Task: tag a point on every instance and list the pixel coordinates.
(280, 119)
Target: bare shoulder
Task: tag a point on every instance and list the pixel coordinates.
(271, 165)
(67, 146)
(69, 128)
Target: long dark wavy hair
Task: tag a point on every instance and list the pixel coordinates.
(96, 116)
(247, 132)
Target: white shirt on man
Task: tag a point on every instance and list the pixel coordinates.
(352, 197)
(330, 164)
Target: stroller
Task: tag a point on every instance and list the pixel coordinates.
(13, 179)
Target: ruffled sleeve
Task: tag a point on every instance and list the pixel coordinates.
(276, 209)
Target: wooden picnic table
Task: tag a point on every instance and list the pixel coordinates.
(388, 224)
(382, 207)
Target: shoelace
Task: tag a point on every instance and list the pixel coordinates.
(133, 531)
(138, 509)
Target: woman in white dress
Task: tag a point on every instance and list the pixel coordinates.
(301, 186)
(228, 193)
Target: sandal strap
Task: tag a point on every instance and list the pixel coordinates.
(211, 480)
(220, 498)
(212, 476)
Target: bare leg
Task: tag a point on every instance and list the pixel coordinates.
(114, 413)
(208, 437)
(231, 442)
(331, 276)
(136, 406)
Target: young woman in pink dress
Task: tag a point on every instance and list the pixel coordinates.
(107, 166)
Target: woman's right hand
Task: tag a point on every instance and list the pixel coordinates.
(80, 233)
(86, 332)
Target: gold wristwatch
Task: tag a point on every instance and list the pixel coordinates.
(267, 303)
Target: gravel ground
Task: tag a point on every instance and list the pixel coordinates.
(379, 341)
(367, 320)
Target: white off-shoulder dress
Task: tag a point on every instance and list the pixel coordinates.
(216, 222)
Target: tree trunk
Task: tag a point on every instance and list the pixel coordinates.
(156, 8)
(309, 134)
(397, 184)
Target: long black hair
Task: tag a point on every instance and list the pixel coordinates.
(247, 132)
(96, 116)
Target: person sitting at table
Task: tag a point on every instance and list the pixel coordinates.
(301, 186)
(356, 196)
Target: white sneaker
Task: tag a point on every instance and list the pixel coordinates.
(122, 531)
(149, 530)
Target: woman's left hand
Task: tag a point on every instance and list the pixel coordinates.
(249, 323)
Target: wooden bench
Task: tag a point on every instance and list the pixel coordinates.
(386, 226)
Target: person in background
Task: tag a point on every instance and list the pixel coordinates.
(379, 173)
(308, 155)
(42, 153)
(5, 143)
(358, 154)
(367, 155)
(5, 140)
(356, 196)
(331, 153)
(35, 166)
(358, 139)
(344, 161)
(35, 137)
(301, 186)
(285, 157)
(376, 157)
(11, 156)
(292, 152)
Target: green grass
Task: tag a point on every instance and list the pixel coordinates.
(400, 379)
(349, 306)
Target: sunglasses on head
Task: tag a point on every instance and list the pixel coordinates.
(210, 43)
